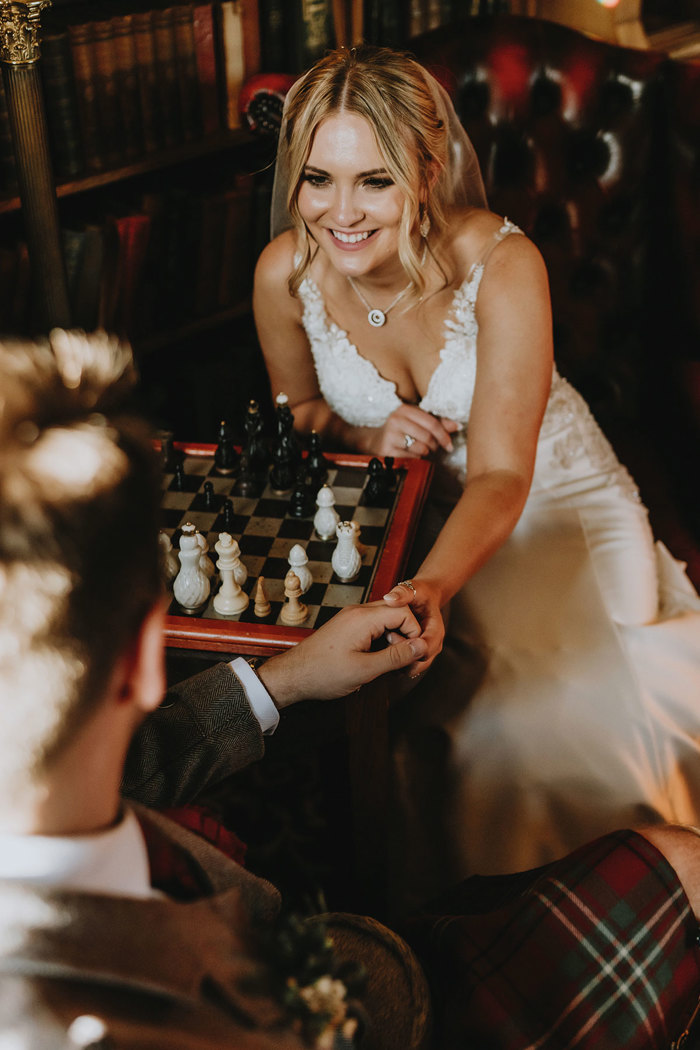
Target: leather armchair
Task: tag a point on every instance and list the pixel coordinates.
(571, 135)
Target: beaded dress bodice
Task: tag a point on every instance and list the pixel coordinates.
(571, 446)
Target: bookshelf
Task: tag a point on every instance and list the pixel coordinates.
(132, 194)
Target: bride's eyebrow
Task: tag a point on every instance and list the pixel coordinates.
(360, 174)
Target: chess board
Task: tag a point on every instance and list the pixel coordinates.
(266, 532)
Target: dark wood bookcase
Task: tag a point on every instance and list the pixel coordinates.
(147, 229)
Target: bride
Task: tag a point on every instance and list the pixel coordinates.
(403, 318)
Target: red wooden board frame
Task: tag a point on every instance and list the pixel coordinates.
(257, 639)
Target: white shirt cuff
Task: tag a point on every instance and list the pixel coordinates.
(258, 697)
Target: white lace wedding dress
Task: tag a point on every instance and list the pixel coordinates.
(568, 694)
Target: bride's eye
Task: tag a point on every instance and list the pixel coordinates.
(378, 182)
(314, 179)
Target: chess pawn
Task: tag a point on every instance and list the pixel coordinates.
(191, 587)
(169, 561)
(262, 606)
(299, 562)
(205, 562)
(230, 599)
(293, 611)
(326, 518)
(346, 560)
(225, 457)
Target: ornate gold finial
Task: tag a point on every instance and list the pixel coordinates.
(19, 30)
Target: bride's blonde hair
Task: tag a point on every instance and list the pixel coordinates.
(393, 94)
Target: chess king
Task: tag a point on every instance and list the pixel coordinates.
(96, 949)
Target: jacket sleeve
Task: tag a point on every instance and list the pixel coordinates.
(204, 730)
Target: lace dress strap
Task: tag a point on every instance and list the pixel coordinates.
(506, 228)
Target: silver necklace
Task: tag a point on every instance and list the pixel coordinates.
(375, 316)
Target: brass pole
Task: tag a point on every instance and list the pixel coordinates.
(19, 55)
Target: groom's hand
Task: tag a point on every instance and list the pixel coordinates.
(346, 653)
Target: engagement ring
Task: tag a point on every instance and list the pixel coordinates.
(408, 583)
(408, 440)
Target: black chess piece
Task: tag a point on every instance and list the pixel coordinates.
(284, 429)
(316, 462)
(302, 503)
(208, 495)
(255, 448)
(248, 484)
(228, 515)
(389, 473)
(169, 456)
(226, 456)
(375, 486)
(286, 454)
(179, 478)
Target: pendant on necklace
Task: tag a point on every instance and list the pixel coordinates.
(376, 318)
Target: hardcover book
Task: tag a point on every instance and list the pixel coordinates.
(127, 84)
(61, 105)
(187, 75)
(85, 86)
(275, 57)
(105, 73)
(205, 57)
(311, 31)
(233, 61)
(144, 44)
(166, 75)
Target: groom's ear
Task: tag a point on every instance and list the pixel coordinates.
(142, 667)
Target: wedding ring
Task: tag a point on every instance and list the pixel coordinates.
(408, 583)
(408, 440)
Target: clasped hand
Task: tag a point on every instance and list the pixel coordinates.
(410, 431)
(346, 653)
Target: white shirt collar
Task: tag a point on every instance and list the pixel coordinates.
(111, 862)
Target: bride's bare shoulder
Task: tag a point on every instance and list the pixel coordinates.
(276, 261)
(471, 233)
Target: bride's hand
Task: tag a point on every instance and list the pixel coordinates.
(424, 600)
(409, 431)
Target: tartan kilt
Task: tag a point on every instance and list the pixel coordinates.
(598, 950)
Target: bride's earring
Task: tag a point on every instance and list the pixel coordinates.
(424, 228)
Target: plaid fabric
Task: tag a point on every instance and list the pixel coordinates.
(599, 951)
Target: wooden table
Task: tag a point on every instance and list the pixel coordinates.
(365, 713)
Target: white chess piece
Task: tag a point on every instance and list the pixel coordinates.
(169, 561)
(346, 560)
(299, 562)
(326, 517)
(205, 562)
(240, 573)
(191, 587)
(262, 605)
(293, 611)
(230, 599)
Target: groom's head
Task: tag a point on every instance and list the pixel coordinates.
(78, 538)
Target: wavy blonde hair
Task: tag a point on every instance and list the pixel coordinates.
(395, 96)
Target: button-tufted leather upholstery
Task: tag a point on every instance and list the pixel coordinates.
(571, 135)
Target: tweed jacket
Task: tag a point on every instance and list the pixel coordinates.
(204, 730)
(156, 972)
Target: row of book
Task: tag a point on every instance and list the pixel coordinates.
(129, 83)
(392, 23)
(149, 267)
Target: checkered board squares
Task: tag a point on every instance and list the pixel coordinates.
(266, 533)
